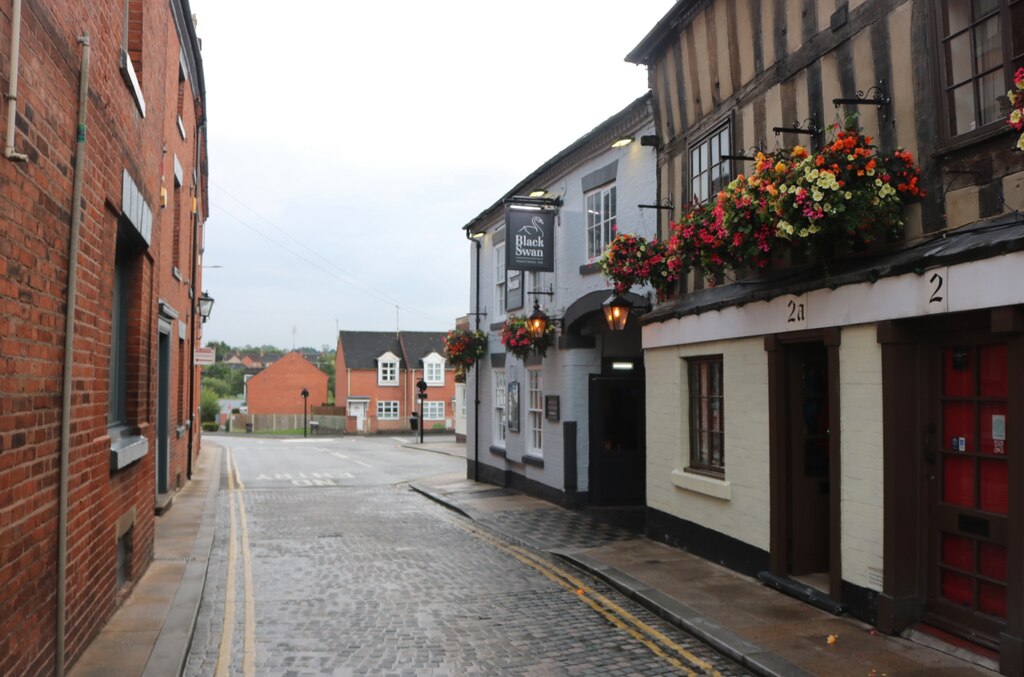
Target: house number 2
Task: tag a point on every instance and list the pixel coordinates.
(936, 280)
(936, 291)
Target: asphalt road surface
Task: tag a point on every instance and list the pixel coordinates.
(326, 563)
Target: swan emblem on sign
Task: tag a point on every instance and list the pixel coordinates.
(534, 228)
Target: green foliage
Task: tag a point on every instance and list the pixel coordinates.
(220, 387)
(211, 426)
(209, 405)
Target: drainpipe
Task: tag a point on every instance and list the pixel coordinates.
(12, 91)
(476, 378)
(69, 341)
(196, 425)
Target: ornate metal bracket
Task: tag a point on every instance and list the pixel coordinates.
(666, 203)
(808, 127)
(747, 154)
(875, 96)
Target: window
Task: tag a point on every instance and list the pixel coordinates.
(600, 220)
(535, 404)
(433, 411)
(118, 384)
(387, 410)
(499, 280)
(387, 370)
(500, 390)
(707, 415)
(978, 60)
(433, 370)
(709, 171)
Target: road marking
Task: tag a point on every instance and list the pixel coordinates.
(249, 637)
(655, 640)
(354, 460)
(224, 656)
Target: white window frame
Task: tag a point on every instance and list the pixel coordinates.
(601, 207)
(500, 400)
(387, 370)
(388, 410)
(433, 410)
(535, 411)
(500, 280)
(433, 370)
(709, 171)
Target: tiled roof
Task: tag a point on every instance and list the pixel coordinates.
(362, 348)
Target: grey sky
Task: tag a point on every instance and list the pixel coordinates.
(350, 141)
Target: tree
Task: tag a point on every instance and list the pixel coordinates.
(209, 405)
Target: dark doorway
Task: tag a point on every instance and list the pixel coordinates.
(163, 413)
(809, 488)
(617, 440)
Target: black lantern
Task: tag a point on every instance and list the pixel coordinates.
(538, 321)
(616, 312)
(205, 306)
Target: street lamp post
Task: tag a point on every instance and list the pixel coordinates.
(305, 399)
(421, 386)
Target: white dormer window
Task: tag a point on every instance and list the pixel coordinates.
(387, 369)
(433, 369)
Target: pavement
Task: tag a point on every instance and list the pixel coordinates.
(763, 630)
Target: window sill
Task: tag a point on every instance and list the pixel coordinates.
(498, 451)
(531, 459)
(702, 484)
(590, 268)
(130, 79)
(387, 385)
(127, 449)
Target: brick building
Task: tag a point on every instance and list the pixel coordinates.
(846, 423)
(376, 374)
(102, 206)
(277, 389)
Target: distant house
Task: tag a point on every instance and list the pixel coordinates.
(376, 375)
(278, 388)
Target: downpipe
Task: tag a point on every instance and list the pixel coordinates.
(69, 344)
(12, 90)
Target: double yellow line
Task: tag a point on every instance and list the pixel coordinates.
(239, 522)
(655, 640)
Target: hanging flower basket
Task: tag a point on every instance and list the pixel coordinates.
(464, 348)
(520, 341)
(631, 260)
(843, 198)
(1016, 95)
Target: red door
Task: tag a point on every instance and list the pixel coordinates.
(968, 563)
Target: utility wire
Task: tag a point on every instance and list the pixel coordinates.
(337, 275)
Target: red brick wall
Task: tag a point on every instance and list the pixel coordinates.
(276, 389)
(35, 213)
(363, 382)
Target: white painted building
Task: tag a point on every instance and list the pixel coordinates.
(577, 434)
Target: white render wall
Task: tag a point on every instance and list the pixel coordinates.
(860, 423)
(739, 505)
(565, 372)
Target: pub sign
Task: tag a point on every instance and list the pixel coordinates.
(530, 239)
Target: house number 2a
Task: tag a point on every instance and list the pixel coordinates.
(796, 312)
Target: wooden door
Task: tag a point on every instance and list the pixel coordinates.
(969, 497)
(809, 514)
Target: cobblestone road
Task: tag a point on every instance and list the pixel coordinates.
(351, 580)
